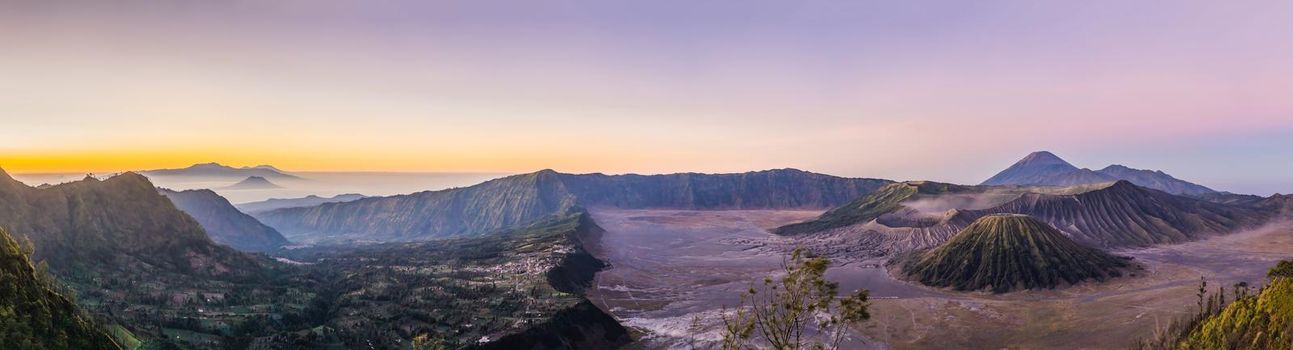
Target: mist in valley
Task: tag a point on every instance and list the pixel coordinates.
(323, 184)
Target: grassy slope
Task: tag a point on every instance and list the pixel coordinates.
(1005, 252)
(1264, 321)
(33, 315)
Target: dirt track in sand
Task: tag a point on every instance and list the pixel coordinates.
(668, 266)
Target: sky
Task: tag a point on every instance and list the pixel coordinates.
(938, 90)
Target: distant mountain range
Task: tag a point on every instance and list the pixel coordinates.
(1045, 169)
(307, 201)
(219, 170)
(252, 183)
(529, 197)
(224, 223)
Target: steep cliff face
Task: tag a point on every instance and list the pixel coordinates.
(772, 189)
(121, 221)
(224, 223)
(35, 316)
(1004, 252)
(525, 198)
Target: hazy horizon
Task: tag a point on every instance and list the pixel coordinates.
(940, 91)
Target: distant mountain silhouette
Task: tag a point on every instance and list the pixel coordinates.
(252, 183)
(528, 197)
(1156, 179)
(1046, 169)
(307, 201)
(224, 223)
(1004, 252)
(219, 170)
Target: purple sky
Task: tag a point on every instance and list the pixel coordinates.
(941, 90)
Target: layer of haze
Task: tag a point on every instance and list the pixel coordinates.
(941, 90)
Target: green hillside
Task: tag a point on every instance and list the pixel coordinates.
(1249, 321)
(1008, 252)
(33, 315)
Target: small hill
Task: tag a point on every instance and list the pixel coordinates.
(220, 170)
(33, 315)
(253, 183)
(307, 201)
(224, 223)
(1008, 252)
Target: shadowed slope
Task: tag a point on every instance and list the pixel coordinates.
(224, 223)
(1005, 252)
(33, 315)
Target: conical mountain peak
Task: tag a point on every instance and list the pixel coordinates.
(1043, 158)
